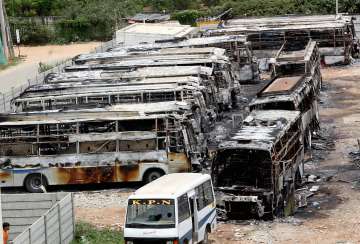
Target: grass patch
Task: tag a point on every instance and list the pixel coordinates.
(11, 62)
(88, 234)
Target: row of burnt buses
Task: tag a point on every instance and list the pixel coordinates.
(136, 113)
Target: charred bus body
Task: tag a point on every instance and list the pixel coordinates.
(335, 35)
(301, 62)
(237, 48)
(295, 86)
(91, 123)
(190, 90)
(94, 146)
(299, 95)
(257, 169)
(227, 87)
(254, 171)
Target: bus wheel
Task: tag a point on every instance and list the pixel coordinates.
(206, 237)
(35, 183)
(152, 175)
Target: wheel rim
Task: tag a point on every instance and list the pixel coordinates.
(36, 183)
(206, 237)
(154, 177)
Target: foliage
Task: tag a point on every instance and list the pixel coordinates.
(172, 5)
(12, 62)
(88, 234)
(187, 17)
(94, 19)
(32, 32)
(43, 67)
(83, 20)
(30, 8)
(282, 7)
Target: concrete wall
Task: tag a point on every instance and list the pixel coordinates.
(39, 218)
(357, 25)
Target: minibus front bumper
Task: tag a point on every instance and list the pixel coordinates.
(151, 241)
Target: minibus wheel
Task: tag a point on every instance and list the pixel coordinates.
(206, 236)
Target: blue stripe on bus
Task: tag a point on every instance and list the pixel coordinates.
(204, 220)
(22, 171)
(188, 235)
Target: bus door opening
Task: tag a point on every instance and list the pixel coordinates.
(194, 218)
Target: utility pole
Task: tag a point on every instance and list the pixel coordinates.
(3, 30)
(337, 8)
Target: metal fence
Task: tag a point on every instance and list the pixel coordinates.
(49, 218)
(6, 98)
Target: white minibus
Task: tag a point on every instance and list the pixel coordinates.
(174, 209)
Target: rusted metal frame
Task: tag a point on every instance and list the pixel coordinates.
(117, 140)
(289, 144)
(77, 141)
(101, 147)
(167, 134)
(280, 50)
(157, 137)
(38, 139)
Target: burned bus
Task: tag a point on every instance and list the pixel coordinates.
(302, 62)
(223, 79)
(237, 48)
(255, 170)
(295, 85)
(335, 35)
(40, 149)
(64, 95)
(293, 93)
(134, 73)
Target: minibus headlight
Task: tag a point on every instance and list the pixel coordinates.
(172, 242)
(129, 242)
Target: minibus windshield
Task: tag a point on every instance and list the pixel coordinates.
(150, 213)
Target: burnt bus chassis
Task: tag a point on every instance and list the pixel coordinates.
(84, 147)
(274, 177)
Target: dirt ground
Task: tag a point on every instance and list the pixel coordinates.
(31, 56)
(336, 219)
(333, 214)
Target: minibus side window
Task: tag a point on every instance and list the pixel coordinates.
(200, 197)
(183, 205)
(209, 196)
(204, 194)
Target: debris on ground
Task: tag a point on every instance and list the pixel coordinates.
(355, 158)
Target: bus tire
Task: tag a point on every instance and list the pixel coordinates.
(152, 174)
(206, 236)
(33, 183)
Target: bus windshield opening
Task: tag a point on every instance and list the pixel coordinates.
(151, 213)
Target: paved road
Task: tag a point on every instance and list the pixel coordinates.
(28, 69)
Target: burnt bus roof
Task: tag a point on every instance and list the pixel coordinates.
(136, 72)
(281, 85)
(160, 57)
(66, 90)
(289, 20)
(130, 64)
(300, 56)
(111, 113)
(149, 53)
(232, 29)
(261, 130)
(305, 85)
(192, 42)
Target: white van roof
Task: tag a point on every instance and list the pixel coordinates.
(172, 185)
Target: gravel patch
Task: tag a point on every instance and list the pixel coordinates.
(102, 199)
